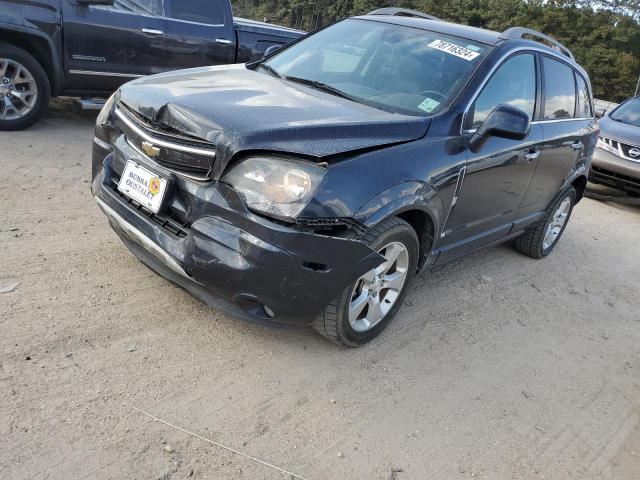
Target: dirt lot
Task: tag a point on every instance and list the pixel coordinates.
(499, 367)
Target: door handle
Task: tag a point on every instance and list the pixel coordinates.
(223, 41)
(532, 155)
(152, 31)
(577, 145)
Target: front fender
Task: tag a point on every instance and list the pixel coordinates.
(402, 197)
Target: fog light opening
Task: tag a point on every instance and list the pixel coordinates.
(270, 313)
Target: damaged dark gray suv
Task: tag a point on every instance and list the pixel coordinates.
(310, 187)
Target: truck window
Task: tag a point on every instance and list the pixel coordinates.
(211, 12)
(559, 90)
(150, 8)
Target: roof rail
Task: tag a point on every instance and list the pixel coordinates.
(402, 12)
(517, 33)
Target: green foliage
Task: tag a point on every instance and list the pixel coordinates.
(603, 35)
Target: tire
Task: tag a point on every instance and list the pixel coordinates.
(32, 83)
(532, 241)
(334, 323)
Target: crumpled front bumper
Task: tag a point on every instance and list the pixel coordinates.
(225, 255)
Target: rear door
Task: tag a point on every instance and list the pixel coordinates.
(199, 33)
(106, 46)
(498, 174)
(567, 123)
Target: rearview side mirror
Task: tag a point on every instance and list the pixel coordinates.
(600, 112)
(504, 121)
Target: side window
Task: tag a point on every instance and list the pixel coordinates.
(584, 99)
(150, 8)
(514, 83)
(559, 90)
(201, 11)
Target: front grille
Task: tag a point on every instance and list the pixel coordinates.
(178, 152)
(626, 149)
(170, 221)
(623, 149)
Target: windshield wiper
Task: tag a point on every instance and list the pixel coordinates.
(270, 69)
(321, 86)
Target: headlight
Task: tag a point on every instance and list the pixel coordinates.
(608, 145)
(278, 187)
(104, 114)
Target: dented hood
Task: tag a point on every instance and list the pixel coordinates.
(239, 109)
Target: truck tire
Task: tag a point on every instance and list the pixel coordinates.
(24, 89)
(366, 307)
(539, 239)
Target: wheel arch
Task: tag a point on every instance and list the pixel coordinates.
(40, 47)
(417, 203)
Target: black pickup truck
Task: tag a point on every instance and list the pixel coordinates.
(90, 47)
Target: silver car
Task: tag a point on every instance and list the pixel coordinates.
(616, 161)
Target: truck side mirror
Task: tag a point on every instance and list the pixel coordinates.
(271, 49)
(504, 121)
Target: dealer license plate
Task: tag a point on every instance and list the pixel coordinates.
(143, 186)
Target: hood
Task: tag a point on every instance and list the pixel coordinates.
(238, 109)
(621, 132)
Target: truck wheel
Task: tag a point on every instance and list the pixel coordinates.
(540, 238)
(367, 306)
(24, 89)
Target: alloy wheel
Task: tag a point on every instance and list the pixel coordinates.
(18, 90)
(556, 224)
(377, 291)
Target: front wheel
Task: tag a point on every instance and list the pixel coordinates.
(539, 239)
(24, 89)
(367, 306)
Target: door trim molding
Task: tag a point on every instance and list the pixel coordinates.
(454, 200)
(104, 74)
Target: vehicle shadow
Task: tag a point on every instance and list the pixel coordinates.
(614, 197)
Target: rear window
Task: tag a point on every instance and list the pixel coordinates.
(200, 11)
(584, 99)
(559, 90)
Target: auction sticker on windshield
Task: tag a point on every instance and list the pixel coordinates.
(453, 49)
(143, 186)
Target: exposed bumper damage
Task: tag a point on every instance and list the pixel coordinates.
(206, 241)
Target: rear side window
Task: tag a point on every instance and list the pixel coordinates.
(149, 8)
(514, 83)
(559, 90)
(200, 11)
(584, 99)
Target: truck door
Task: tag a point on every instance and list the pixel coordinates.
(108, 45)
(199, 33)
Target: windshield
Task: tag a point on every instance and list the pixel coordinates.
(628, 112)
(395, 68)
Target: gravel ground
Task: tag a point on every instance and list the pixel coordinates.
(498, 367)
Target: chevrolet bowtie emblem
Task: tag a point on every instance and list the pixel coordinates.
(150, 149)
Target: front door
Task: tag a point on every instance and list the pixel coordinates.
(498, 173)
(200, 33)
(108, 45)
